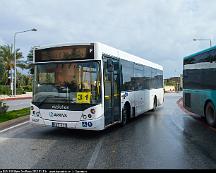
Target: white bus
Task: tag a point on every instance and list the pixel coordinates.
(92, 86)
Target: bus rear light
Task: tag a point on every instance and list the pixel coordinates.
(92, 111)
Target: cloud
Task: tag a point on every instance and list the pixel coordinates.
(158, 30)
(1, 42)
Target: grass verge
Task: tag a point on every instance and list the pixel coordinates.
(14, 114)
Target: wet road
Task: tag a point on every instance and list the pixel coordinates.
(17, 104)
(168, 138)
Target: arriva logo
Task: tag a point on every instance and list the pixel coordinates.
(51, 114)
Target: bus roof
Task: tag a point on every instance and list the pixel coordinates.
(126, 56)
(200, 52)
(108, 49)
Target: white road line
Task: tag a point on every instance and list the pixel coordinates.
(94, 155)
(3, 139)
(9, 128)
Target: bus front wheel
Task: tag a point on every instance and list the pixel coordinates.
(210, 114)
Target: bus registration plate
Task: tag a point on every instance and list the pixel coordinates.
(54, 124)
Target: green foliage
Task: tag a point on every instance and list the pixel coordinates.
(30, 55)
(5, 90)
(20, 90)
(2, 72)
(7, 61)
(27, 88)
(23, 80)
(170, 83)
(14, 114)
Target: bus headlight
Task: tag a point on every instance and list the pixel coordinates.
(38, 114)
(92, 111)
(84, 116)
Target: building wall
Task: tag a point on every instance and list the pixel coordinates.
(169, 88)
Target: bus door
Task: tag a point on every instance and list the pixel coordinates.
(112, 93)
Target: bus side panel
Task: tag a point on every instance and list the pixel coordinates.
(148, 99)
(188, 96)
(197, 106)
(143, 100)
(198, 99)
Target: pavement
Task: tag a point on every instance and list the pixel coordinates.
(13, 122)
(166, 139)
(16, 103)
(28, 95)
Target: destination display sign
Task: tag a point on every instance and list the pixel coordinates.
(64, 53)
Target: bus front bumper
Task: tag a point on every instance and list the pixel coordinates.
(95, 124)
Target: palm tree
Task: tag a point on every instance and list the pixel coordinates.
(7, 59)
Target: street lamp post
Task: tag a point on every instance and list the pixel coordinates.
(15, 56)
(201, 39)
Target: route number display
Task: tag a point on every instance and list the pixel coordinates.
(83, 97)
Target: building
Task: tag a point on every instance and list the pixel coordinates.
(176, 82)
(169, 89)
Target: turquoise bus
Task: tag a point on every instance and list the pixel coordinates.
(199, 83)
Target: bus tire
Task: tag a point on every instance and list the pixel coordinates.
(124, 116)
(154, 104)
(210, 114)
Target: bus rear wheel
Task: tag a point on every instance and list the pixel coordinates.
(210, 114)
(154, 104)
(124, 116)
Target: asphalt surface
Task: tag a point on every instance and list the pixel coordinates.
(167, 138)
(17, 104)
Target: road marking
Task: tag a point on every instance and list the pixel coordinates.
(94, 155)
(193, 115)
(2, 139)
(178, 126)
(12, 127)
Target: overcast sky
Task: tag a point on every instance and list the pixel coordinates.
(161, 31)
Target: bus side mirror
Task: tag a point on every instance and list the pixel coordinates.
(110, 66)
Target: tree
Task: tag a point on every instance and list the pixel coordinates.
(30, 56)
(2, 72)
(29, 61)
(7, 60)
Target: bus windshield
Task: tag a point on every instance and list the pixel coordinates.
(76, 82)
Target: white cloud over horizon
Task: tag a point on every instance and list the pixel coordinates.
(1, 42)
(158, 30)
